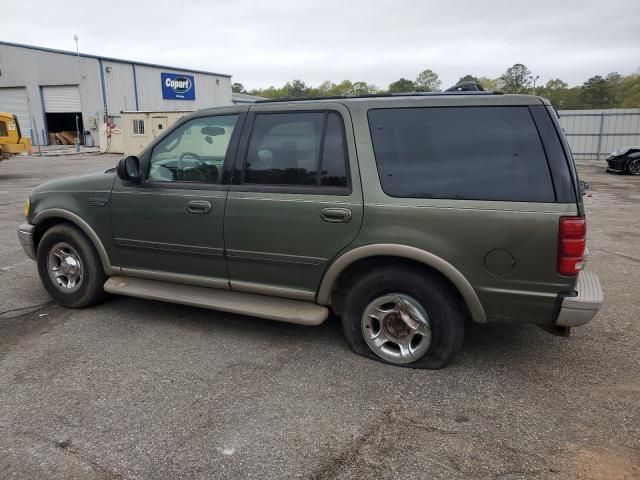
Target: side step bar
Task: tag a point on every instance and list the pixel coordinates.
(281, 309)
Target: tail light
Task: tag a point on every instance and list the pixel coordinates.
(572, 240)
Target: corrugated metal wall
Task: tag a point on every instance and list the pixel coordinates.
(594, 134)
(119, 87)
(211, 90)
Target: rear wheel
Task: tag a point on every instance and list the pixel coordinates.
(404, 317)
(70, 268)
(633, 167)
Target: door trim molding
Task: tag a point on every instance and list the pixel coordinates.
(182, 278)
(274, 257)
(169, 247)
(271, 291)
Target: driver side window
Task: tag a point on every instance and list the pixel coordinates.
(193, 152)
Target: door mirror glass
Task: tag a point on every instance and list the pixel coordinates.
(129, 169)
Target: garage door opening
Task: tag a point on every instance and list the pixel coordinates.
(62, 105)
(62, 128)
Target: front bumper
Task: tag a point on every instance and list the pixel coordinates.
(617, 164)
(580, 309)
(25, 235)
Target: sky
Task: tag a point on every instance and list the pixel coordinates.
(263, 43)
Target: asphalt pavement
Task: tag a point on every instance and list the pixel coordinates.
(135, 389)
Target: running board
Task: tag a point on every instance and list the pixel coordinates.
(272, 308)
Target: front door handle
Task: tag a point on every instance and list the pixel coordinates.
(335, 215)
(198, 207)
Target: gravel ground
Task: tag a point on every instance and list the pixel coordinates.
(136, 389)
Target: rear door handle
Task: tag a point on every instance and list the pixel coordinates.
(336, 215)
(198, 207)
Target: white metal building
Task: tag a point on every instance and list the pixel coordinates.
(48, 88)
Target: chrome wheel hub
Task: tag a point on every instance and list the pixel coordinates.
(65, 268)
(396, 328)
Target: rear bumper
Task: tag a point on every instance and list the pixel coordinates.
(581, 308)
(25, 235)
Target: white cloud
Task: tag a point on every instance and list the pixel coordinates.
(269, 42)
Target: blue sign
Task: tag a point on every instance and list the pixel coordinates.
(176, 86)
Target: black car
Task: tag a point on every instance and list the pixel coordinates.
(626, 160)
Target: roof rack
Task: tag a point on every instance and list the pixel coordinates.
(381, 95)
(467, 86)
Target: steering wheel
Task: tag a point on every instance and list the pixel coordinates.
(182, 172)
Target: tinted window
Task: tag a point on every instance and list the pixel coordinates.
(291, 149)
(334, 157)
(193, 152)
(482, 153)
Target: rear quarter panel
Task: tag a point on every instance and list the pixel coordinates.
(463, 232)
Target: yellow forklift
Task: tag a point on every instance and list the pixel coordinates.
(11, 140)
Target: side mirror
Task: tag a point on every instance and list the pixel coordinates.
(129, 169)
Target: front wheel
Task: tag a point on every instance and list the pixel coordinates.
(404, 317)
(633, 167)
(70, 268)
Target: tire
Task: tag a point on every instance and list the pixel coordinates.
(65, 247)
(633, 166)
(422, 294)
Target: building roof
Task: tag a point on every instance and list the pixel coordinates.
(246, 97)
(111, 59)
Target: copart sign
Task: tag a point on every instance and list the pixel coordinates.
(176, 86)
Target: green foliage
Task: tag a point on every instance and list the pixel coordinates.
(469, 78)
(610, 91)
(630, 91)
(237, 88)
(516, 79)
(402, 85)
(489, 84)
(427, 81)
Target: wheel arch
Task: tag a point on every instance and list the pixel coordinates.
(419, 256)
(53, 216)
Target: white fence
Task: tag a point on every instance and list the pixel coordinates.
(594, 134)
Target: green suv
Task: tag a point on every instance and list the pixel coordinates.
(404, 215)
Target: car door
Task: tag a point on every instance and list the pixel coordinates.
(170, 225)
(295, 200)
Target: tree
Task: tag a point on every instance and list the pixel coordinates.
(595, 92)
(401, 86)
(294, 89)
(427, 81)
(489, 84)
(363, 88)
(556, 84)
(614, 79)
(238, 88)
(469, 78)
(630, 91)
(554, 91)
(516, 79)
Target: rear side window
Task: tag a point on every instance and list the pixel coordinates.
(297, 149)
(475, 153)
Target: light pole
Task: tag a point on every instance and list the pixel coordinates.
(535, 79)
(75, 38)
